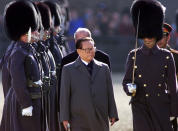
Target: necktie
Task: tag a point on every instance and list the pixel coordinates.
(90, 67)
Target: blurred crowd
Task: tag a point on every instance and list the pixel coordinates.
(102, 21)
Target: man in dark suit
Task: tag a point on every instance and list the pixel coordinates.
(87, 98)
(99, 55)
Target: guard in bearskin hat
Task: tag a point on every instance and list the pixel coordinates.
(57, 55)
(150, 76)
(60, 37)
(22, 107)
(44, 59)
(4, 61)
(51, 97)
(54, 48)
(45, 34)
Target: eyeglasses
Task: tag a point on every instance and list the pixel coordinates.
(88, 50)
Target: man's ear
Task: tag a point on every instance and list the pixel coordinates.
(78, 51)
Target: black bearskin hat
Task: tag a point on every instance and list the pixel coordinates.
(45, 15)
(54, 12)
(19, 17)
(177, 20)
(151, 18)
(59, 8)
(39, 21)
(65, 4)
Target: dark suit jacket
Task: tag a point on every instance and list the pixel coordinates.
(99, 55)
(78, 87)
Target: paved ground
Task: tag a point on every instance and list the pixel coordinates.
(125, 122)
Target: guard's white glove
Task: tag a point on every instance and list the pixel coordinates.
(53, 73)
(131, 87)
(27, 111)
(172, 118)
(39, 82)
(66, 125)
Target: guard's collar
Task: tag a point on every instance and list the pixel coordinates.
(149, 51)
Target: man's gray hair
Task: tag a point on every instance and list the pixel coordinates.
(82, 30)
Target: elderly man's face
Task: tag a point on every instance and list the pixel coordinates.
(87, 52)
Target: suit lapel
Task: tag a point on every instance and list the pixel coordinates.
(96, 68)
(80, 65)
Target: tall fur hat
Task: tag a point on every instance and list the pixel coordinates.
(39, 19)
(59, 8)
(150, 20)
(54, 12)
(65, 4)
(19, 17)
(45, 15)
